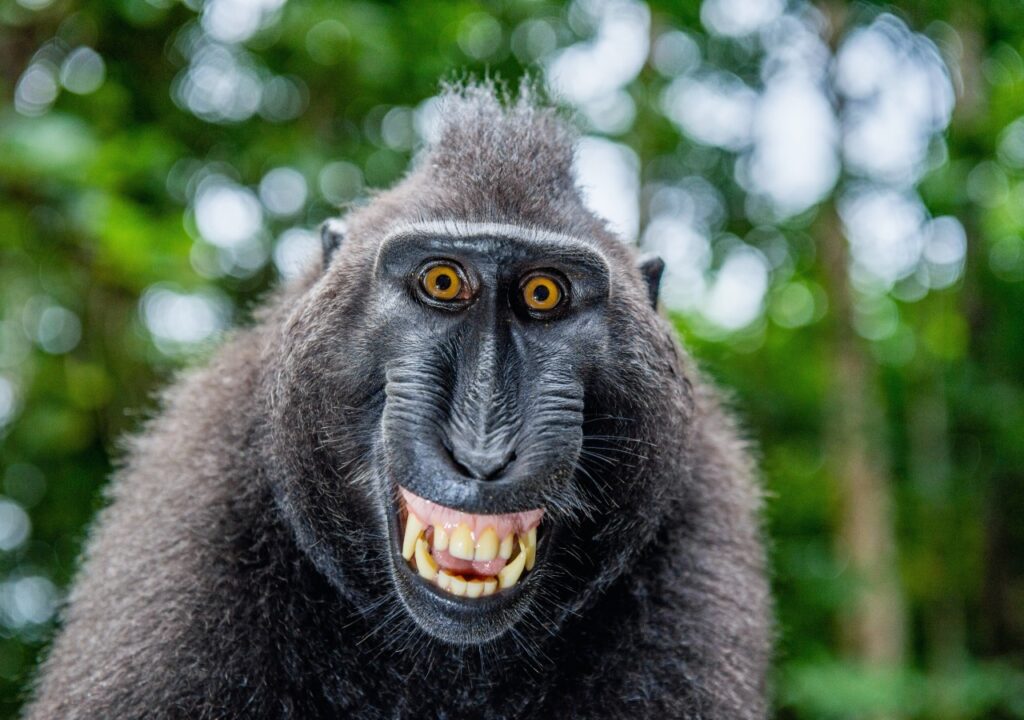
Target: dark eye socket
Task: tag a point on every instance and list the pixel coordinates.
(542, 292)
(444, 281)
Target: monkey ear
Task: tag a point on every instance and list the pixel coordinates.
(332, 233)
(651, 267)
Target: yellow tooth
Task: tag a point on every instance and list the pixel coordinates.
(444, 580)
(487, 546)
(460, 544)
(531, 548)
(474, 588)
(490, 586)
(506, 546)
(440, 538)
(425, 564)
(457, 586)
(509, 574)
(413, 528)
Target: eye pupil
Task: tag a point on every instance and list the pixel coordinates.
(542, 293)
(442, 282)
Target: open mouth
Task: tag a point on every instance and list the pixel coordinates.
(464, 554)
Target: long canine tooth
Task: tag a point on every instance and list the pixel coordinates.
(413, 528)
(487, 545)
(490, 586)
(531, 548)
(440, 538)
(474, 588)
(509, 574)
(460, 544)
(506, 546)
(425, 564)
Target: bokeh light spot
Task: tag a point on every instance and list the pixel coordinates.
(226, 213)
(283, 191)
(180, 321)
(83, 71)
(36, 89)
(296, 250)
(14, 525)
(608, 175)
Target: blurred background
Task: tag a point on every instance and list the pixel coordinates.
(837, 189)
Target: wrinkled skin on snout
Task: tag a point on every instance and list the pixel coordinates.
(480, 405)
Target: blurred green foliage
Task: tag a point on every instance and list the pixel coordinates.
(105, 268)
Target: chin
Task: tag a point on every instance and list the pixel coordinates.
(465, 578)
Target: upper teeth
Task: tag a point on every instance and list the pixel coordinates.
(461, 543)
(487, 545)
(440, 537)
(506, 547)
(413, 528)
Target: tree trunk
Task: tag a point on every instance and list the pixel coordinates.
(872, 622)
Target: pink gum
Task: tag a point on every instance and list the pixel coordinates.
(430, 513)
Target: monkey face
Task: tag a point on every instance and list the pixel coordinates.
(489, 341)
(478, 352)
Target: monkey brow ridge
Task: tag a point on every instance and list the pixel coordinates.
(467, 229)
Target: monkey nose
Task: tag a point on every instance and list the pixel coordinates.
(481, 465)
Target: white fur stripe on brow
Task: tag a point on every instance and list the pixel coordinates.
(465, 229)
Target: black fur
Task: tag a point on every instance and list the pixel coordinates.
(243, 567)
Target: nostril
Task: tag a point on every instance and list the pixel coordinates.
(458, 465)
(480, 466)
(501, 465)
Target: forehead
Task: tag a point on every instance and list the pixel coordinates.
(497, 242)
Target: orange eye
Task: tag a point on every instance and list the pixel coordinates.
(542, 293)
(442, 282)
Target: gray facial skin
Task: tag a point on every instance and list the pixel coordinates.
(249, 564)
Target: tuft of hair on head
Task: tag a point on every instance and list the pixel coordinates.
(479, 117)
(512, 147)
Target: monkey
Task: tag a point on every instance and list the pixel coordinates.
(461, 468)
